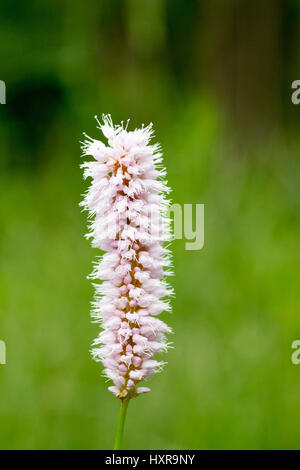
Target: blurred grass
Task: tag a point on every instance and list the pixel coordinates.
(229, 382)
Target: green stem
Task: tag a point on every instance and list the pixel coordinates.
(120, 427)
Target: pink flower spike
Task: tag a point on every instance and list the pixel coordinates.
(127, 198)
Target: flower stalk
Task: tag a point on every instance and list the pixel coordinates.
(129, 222)
(121, 423)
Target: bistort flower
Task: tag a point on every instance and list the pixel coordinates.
(127, 205)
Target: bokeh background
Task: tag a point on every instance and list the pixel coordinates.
(214, 77)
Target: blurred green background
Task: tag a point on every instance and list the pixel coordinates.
(215, 79)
